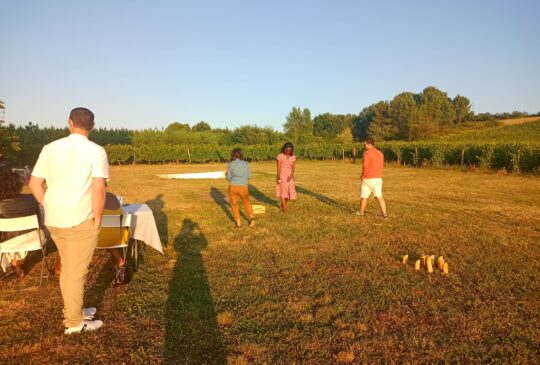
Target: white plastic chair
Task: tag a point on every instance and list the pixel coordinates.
(32, 241)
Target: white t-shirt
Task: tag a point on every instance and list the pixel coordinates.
(68, 166)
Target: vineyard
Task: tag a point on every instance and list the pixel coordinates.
(515, 148)
(514, 157)
(504, 131)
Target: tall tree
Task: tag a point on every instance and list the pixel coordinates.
(382, 126)
(177, 127)
(251, 134)
(9, 140)
(403, 110)
(462, 105)
(2, 108)
(332, 126)
(438, 108)
(202, 126)
(362, 122)
(299, 126)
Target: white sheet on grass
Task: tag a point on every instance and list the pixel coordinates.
(195, 175)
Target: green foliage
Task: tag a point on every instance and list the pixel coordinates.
(299, 126)
(462, 105)
(411, 116)
(333, 126)
(361, 123)
(202, 126)
(481, 117)
(251, 134)
(177, 127)
(9, 142)
(404, 112)
(439, 109)
(517, 157)
(485, 160)
(104, 136)
(382, 126)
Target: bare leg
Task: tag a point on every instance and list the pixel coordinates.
(17, 268)
(363, 205)
(117, 256)
(382, 204)
(283, 204)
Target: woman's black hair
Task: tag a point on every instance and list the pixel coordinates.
(237, 154)
(10, 185)
(288, 145)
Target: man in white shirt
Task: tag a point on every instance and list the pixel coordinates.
(74, 170)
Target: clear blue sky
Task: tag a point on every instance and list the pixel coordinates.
(143, 64)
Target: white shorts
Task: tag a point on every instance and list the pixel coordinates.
(371, 186)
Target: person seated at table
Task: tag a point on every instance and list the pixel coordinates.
(110, 237)
(13, 204)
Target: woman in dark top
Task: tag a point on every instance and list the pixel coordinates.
(13, 204)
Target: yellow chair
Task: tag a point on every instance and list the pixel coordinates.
(115, 228)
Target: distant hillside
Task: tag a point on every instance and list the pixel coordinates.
(511, 130)
(519, 120)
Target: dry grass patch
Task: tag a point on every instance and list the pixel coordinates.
(316, 286)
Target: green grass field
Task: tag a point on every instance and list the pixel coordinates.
(315, 286)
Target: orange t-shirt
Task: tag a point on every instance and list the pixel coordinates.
(372, 164)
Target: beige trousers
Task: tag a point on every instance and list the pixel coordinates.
(76, 247)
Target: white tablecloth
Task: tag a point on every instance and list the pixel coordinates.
(143, 225)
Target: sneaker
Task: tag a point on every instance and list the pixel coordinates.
(359, 214)
(85, 326)
(89, 313)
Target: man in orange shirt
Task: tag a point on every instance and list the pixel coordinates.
(372, 167)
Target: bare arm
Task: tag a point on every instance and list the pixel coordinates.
(37, 188)
(98, 199)
(364, 166)
(293, 168)
(278, 170)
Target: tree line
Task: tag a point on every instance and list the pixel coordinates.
(407, 117)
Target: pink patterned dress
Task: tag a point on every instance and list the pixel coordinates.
(286, 189)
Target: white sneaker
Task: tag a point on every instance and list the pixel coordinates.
(89, 313)
(85, 326)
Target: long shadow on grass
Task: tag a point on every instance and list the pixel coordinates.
(157, 204)
(258, 195)
(320, 197)
(192, 333)
(219, 198)
(96, 292)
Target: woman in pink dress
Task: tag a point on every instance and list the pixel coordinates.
(285, 189)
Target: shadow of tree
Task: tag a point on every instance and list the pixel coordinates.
(192, 333)
(220, 199)
(157, 204)
(258, 195)
(322, 198)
